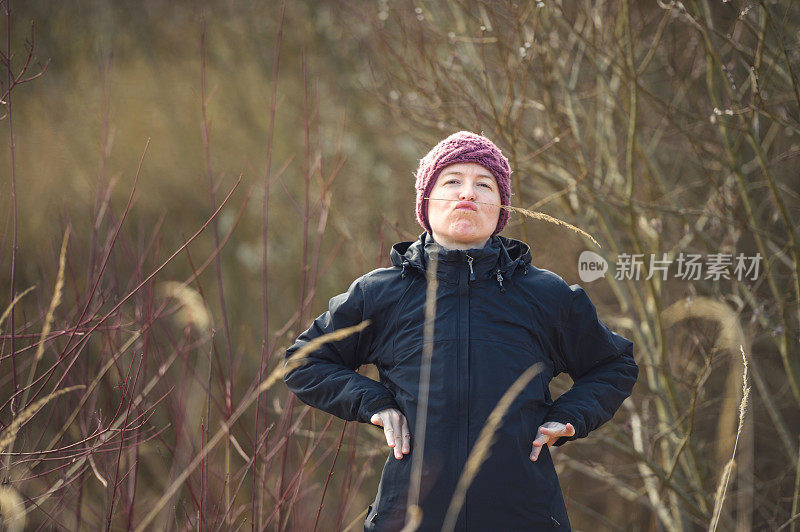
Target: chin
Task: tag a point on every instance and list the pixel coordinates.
(465, 228)
(471, 239)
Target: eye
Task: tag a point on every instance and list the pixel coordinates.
(487, 185)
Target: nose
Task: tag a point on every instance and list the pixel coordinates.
(467, 192)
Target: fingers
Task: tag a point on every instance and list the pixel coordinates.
(557, 429)
(395, 429)
(406, 436)
(549, 433)
(541, 439)
(397, 435)
(389, 426)
(538, 443)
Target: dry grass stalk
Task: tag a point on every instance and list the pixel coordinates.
(48, 323)
(650, 484)
(796, 498)
(238, 448)
(55, 301)
(194, 312)
(547, 218)
(731, 334)
(413, 512)
(10, 433)
(278, 373)
(537, 215)
(730, 337)
(12, 510)
(413, 518)
(48, 320)
(719, 497)
(358, 522)
(297, 358)
(10, 306)
(483, 445)
(100, 478)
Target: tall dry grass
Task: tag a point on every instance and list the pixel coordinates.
(658, 129)
(143, 346)
(722, 487)
(414, 512)
(12, 510)
(649, 128)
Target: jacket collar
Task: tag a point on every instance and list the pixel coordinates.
(500, 253)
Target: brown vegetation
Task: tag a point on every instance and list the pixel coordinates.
(184, 189)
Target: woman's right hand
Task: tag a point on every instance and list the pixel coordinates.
(395, 428)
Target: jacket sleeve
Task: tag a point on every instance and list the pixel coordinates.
(600, 363)
(328, 379)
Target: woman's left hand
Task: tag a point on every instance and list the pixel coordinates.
(548, 434)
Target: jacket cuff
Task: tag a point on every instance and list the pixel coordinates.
(376, 406)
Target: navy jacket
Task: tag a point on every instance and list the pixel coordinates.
(496, 316)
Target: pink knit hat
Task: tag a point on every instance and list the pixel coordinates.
(463, 147)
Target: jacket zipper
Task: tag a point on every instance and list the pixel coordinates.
(462, 369)
(500, 280)
(471, 273)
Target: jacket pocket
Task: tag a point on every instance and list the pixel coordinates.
(387, 510)
(372, 516)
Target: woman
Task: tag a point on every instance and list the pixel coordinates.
(496, 316)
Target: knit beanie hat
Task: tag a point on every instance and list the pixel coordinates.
(462, 147)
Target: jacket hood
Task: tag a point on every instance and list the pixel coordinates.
(500, 253)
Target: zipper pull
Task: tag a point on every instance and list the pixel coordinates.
(471, 273)
(500, 280)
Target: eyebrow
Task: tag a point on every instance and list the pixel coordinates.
(462, 173)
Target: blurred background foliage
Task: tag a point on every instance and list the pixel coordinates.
(657, 127)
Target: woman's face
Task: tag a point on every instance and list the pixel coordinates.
(464, 206)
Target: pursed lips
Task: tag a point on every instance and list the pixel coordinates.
(466, 205)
